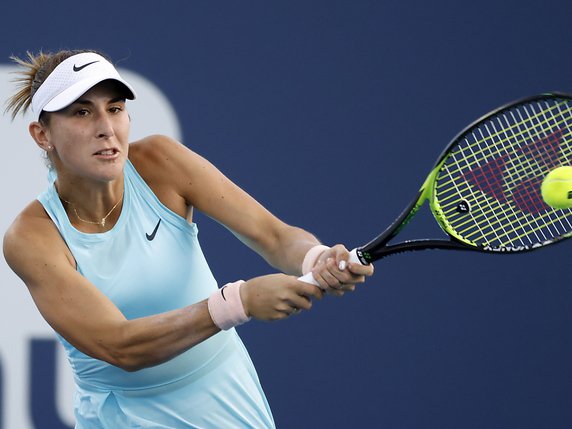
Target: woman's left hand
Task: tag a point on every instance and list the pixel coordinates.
(335, 274)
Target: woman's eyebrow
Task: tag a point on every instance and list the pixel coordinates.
(85, 101)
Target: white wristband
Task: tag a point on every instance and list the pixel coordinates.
(311, 257)
(225, 306)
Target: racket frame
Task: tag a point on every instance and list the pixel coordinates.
(379, 248)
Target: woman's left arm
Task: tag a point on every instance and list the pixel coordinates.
(283, 246)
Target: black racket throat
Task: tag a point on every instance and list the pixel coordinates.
(378, 247)
(366, 257)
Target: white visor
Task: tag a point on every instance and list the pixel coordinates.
(71, 79)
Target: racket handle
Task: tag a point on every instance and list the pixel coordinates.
(309, 278)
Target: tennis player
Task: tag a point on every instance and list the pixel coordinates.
(110, 256)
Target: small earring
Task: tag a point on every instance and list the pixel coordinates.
(50, 147)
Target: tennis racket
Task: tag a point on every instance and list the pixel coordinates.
(484, 190)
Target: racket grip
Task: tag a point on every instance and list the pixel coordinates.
(309, 278)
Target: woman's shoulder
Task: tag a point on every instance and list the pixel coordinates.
(31, 230)
(147, 146)
(159, 156)
(158, 159)
(32, 218)
(152, 153)
(152, 148)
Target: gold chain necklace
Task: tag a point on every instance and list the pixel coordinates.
(102, 221)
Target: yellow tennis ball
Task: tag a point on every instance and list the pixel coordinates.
(556, 188)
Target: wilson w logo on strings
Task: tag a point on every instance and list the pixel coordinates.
(496, 179)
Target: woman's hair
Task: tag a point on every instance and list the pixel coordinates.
(35, 69)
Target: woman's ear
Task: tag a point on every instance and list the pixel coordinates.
(40, 135)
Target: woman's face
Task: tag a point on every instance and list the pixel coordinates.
(91, 136)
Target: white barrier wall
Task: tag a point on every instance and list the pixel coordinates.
(31, 364)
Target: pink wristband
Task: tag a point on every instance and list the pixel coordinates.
(311, 257)
(225, 306)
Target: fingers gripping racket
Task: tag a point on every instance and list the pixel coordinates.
(484, 190)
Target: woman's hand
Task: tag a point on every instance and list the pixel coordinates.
(277, 296)
(335, 274)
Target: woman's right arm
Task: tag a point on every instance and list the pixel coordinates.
(84, 316)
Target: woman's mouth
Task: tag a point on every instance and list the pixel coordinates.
(106, 152)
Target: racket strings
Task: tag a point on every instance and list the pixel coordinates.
(527, 208)
(512, 170)
(496, 171)
(539, 227)
(493, 150)
(531, 194)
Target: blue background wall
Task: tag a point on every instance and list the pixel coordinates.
(331, 113)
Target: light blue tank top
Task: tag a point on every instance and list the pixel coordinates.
(151, 262)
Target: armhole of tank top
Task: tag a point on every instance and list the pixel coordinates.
(44, 200)
(138, 181)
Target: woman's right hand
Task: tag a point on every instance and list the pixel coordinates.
(277, 296)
